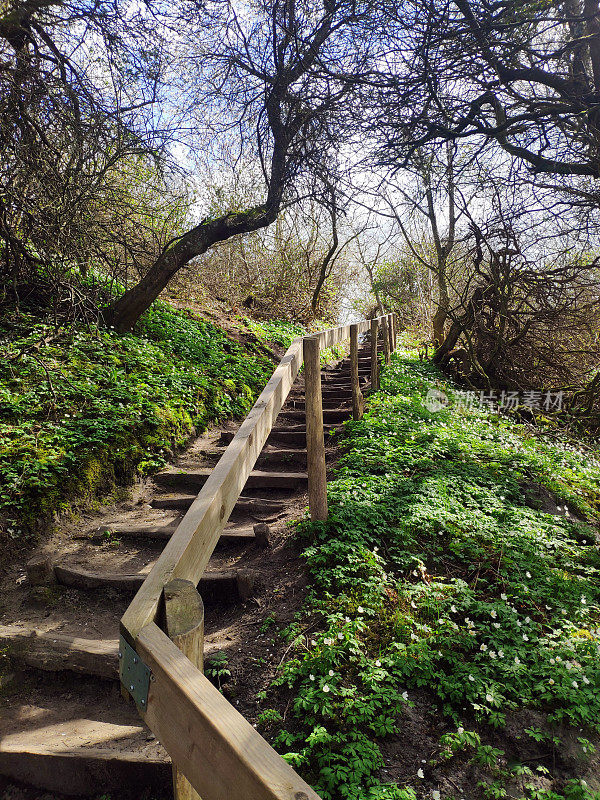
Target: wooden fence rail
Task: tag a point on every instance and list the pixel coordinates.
(220, 754)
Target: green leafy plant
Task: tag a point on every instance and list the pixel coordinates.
(217, 669)
(435, 571)
(83, 409)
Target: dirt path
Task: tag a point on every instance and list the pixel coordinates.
(64, 726)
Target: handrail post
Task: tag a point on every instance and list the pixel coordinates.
(386, 339)
(184, 620)
(315, 442)
(392, 333)
(357, 398)
(374, 361)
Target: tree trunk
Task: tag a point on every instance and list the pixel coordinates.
(441, 314)
(124, 312)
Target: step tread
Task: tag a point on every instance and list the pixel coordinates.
(183, 500)
(79, 578)
(192, 496)
(56, 651)
(71, 747)
(256, 473)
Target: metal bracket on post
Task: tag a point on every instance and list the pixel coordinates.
(134, 674)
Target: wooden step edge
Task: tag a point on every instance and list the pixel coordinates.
(161, 535)
(257, 479)
(177, 501)
(84, 771)
(226, 585)
(55, 651)
(275, 453)
(59, 652)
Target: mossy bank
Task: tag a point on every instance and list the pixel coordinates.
(84, 410)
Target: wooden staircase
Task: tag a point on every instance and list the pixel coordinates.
(69, 730)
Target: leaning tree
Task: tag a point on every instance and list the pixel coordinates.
(88, 88)
(276, 77)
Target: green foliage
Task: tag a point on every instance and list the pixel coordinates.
(81, 409)
(434, 572)
(278, 331)
(283, 333)
(217, 669)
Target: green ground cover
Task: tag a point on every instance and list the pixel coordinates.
(438, 574)
(83, 409)
(283, 333)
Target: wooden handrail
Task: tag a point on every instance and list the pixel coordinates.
(218, 751)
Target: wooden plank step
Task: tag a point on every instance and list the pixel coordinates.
(76, 745)
(328, 403)
(283, 434)
(297, 436)
(83, 771)
(272, 455)
(333, 404)
(213, 585)
(344, 374)
(258, 479)
(163, 534)
(292, 457)
(341, 382)
(184, 501)
(329, 414)
(53, 651)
